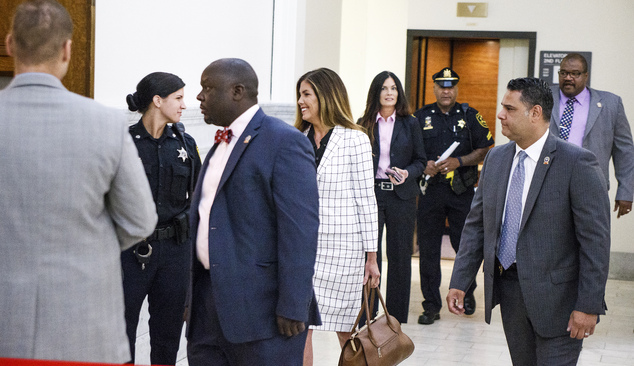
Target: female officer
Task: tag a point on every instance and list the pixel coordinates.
(159, 265)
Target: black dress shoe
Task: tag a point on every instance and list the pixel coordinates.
(428, 318)
(469, 304)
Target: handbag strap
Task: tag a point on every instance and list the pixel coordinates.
(370, 292)
(364, 307)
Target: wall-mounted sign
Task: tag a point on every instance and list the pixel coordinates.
(473, 10)
(549, 62)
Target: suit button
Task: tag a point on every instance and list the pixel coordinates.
(212, 228)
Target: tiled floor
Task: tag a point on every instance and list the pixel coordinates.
(468, 340)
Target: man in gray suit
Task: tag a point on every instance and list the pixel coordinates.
(595, 120)
(73, 195)
(540, 220)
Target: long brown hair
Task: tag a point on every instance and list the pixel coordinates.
(373, 104)
(334, 106)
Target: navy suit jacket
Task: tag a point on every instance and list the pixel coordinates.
(563, 247)
(407, 151)
(262, 231)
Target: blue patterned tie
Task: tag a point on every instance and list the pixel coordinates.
(512, 215)
(566, 119)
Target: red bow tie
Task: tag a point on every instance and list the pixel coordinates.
(223, 135)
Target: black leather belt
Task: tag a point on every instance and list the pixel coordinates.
(384, 185)
(509, 272)
(162, 233)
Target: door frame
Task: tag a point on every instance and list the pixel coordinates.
(80, 77)
(412, 34)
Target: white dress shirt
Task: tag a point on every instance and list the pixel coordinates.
(530, 163)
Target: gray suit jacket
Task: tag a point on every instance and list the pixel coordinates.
(73, 194)
(608, 136)
(563, 245)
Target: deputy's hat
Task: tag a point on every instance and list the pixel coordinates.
(446, 78)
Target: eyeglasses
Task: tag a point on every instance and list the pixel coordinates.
(574, 74)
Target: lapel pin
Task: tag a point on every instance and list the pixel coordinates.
(599, 104)
(546, 160)
(247, 139)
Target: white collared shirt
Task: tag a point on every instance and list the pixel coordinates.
(530, 163)
(211, 180)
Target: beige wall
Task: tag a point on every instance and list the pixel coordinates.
(372, 40)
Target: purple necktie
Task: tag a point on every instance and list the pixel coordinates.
(566, 119)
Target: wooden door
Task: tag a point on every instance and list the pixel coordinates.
(475, 60)
(80, 76)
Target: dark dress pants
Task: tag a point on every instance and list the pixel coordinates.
(526, 347)
(399, 218)
(207, 345)
(439, 203)
(164, 280)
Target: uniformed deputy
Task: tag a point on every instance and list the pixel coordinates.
(159, 266)
(448, 191)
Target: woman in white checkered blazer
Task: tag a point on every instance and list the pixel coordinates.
(348, 228)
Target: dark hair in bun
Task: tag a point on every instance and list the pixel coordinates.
(156, 83)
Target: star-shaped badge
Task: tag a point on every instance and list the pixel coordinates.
(182, 153)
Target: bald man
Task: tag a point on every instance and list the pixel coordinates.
(254, 219)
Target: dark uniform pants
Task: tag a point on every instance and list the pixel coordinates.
(164, 281)
(438, 204)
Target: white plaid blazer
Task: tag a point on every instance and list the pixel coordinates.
(345, 178)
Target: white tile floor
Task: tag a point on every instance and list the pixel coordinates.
(468, 340)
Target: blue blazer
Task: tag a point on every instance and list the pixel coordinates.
(407, 151)
(262, 231)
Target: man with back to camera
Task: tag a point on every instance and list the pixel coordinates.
(595, 120)
(540, 220)
(254, 218)
(74, 194)
(449, 190)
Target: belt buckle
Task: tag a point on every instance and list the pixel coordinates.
(387, 186)
(500, 268)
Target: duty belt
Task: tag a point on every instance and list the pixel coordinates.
(162, 233)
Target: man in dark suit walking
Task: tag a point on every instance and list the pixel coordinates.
(540, 220)
(254, 220)
(595, 120)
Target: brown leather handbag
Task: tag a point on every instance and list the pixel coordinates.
(381, 342)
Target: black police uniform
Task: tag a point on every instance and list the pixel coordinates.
(446, 196)
(169, 162)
